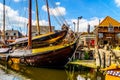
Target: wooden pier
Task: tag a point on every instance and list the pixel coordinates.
(84, 57)
(101, 59)
(105, 58)
(86, 63)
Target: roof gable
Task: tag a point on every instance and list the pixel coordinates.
(108, 21)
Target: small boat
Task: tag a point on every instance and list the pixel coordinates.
(112, 72)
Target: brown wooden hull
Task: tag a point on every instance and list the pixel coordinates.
(56, 58)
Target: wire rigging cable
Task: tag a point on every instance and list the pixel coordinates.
(16, 22)
(58, 11)
(60, 19)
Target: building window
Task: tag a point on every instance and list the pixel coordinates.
(6, 33)
(14, 34)
(110, 28)
(11, 37)
(100, 35)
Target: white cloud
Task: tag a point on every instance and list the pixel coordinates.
(41, 22)
(44, 8)
(57, 11)
(13, 19)
(83, 23)
(57, 3)
(16, 0)
(117, 2)
(26, 9)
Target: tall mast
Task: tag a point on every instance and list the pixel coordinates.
(3, 20)
(37, 18)
(30, 25)
(48, 16)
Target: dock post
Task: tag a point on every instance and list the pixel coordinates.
(104, 60)
(98, 58)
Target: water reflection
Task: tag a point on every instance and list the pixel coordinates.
(39, 73)
(71, 72)
(76, 72)
(7, 75)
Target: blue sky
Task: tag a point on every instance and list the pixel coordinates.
(91, 10)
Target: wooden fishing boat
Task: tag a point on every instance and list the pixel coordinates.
(51, 56)
(42, 40)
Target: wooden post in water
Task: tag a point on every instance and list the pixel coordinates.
(98, 56)
(30, 25)
(104, 60)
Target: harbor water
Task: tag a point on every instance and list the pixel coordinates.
(71, 72)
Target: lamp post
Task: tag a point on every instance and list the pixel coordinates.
(74, 25)
(78, 23)
(88, 30)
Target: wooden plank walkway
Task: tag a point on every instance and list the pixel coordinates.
(86, 63)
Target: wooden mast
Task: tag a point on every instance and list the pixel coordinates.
(3, 34)
(48, 16)
(37, 18)
(30, 25)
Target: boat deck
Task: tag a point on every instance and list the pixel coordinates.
(50, 48)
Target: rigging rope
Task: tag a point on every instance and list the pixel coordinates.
(60, 19)
(57, 10)
(11, 22)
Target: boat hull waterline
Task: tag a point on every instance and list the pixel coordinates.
(52, 58)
